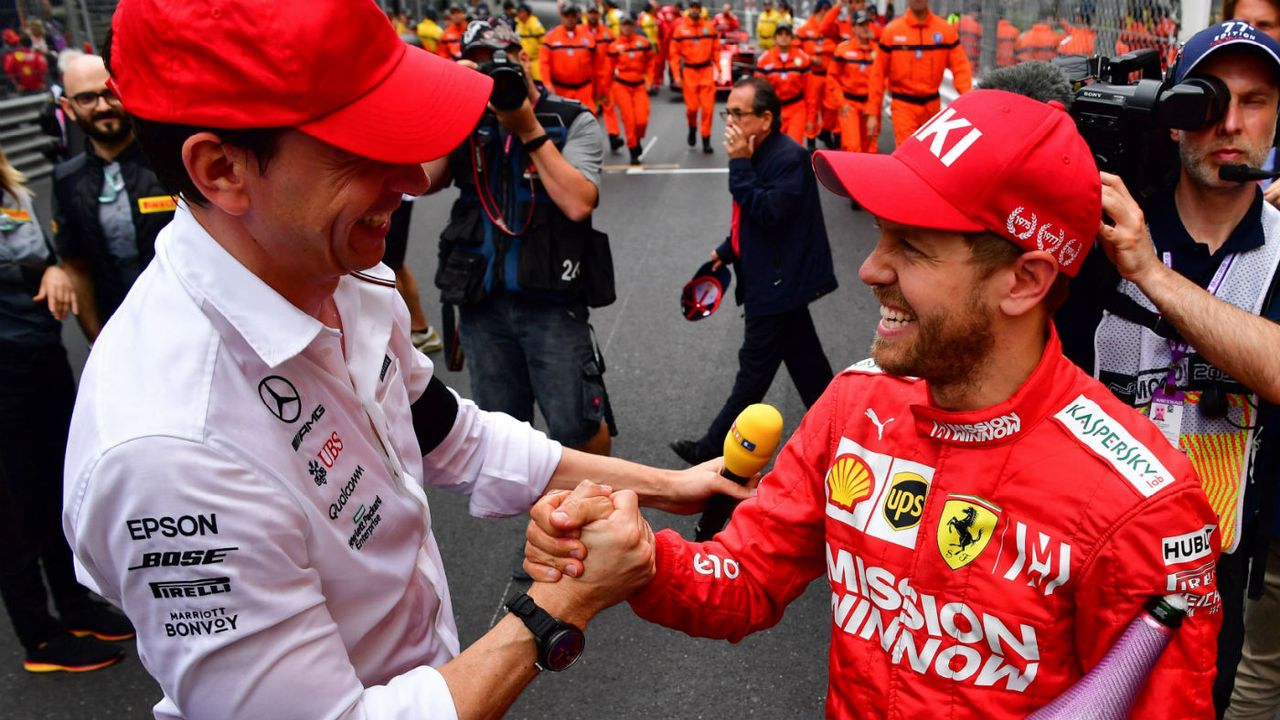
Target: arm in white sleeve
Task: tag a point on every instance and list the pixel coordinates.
(503, 464)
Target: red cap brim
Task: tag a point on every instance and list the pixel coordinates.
(423, 110)
(887, 188)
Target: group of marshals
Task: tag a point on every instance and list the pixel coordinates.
(834, 81)
(831, 73)
(606, 72)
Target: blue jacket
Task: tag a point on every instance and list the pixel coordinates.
(785, 260)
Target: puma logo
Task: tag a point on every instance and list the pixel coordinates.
(871, 414)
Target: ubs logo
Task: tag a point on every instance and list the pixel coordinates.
(904, 503)
(281, 398)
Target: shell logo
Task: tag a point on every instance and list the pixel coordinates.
(849, 481)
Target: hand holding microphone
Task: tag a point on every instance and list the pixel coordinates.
(748, 447)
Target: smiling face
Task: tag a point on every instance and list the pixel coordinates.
(936, 309)
(1245, 132)
(318, 212)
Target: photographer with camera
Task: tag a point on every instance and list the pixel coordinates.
(519, 255)
(1182, 321)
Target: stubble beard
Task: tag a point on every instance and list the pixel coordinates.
(947, 351)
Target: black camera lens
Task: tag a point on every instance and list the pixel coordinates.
(509, 88)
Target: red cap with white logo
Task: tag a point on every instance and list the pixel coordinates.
(992, 160)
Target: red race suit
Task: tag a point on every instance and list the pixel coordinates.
(979, 562)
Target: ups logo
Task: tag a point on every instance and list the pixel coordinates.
(904, 503)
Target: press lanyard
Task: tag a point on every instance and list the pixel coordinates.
(1179, 349)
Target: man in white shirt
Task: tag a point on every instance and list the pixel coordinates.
(254, 427)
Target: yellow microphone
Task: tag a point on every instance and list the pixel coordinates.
(747, 449)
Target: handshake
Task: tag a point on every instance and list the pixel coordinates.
(595, 520)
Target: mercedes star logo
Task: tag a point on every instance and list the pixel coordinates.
(280, 397)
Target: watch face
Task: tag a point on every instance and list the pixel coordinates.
(564, 648)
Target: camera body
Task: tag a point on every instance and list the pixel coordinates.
(509, 86)
(1124, 108)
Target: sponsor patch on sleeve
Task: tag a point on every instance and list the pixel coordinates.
(1198, 586)
(1177, 549)
(1109, 440)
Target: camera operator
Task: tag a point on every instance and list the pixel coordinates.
(519, 250)
(1189, 331)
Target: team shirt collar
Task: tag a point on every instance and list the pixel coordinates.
(275, 328)
(1004, 422)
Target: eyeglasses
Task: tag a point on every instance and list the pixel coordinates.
(89, 99)
(736, 114)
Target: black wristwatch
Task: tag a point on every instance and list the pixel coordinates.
(535, 143)
(559, 643)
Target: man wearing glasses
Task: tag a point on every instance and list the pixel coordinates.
(110, 206)
(778, 246)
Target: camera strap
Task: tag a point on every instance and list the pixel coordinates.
(1125, 307)
(488, 203)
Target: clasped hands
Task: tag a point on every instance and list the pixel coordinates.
(597, 520)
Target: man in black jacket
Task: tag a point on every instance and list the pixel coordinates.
(110, 206)
(778, 247)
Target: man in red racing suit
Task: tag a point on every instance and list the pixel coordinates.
(988, 517)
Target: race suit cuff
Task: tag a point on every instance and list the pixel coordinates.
(654, 597)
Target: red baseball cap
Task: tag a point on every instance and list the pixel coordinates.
(333, 69)
(991, 160)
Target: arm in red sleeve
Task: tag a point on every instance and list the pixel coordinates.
(544, 66)
(742, 580)
(828, 27)
(1128, 571)
(961, 70)
(879, 70)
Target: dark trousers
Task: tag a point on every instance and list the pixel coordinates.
(1233, 573)
(37, 393)
(768, 342)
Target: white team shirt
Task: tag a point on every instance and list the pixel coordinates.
(252, 498)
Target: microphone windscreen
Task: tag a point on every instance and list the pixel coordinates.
(752, 440)
(1035, 79)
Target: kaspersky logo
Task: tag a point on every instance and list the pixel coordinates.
(849, 481)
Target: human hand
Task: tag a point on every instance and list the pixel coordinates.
(737, 144)
(552, 539)
(1272, 194)
(873, 126)
(521, 122)
(688, 490)
(1126, 240)
(57, 289)
(622, 552)
(716, 262)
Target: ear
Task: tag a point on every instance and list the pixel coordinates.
(1029, 279)
(218, 171)
(1175, 135)
(65, 104)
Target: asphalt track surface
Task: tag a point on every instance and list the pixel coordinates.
(667, 378)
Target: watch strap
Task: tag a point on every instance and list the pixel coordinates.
(535, 143)
(539, 621)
